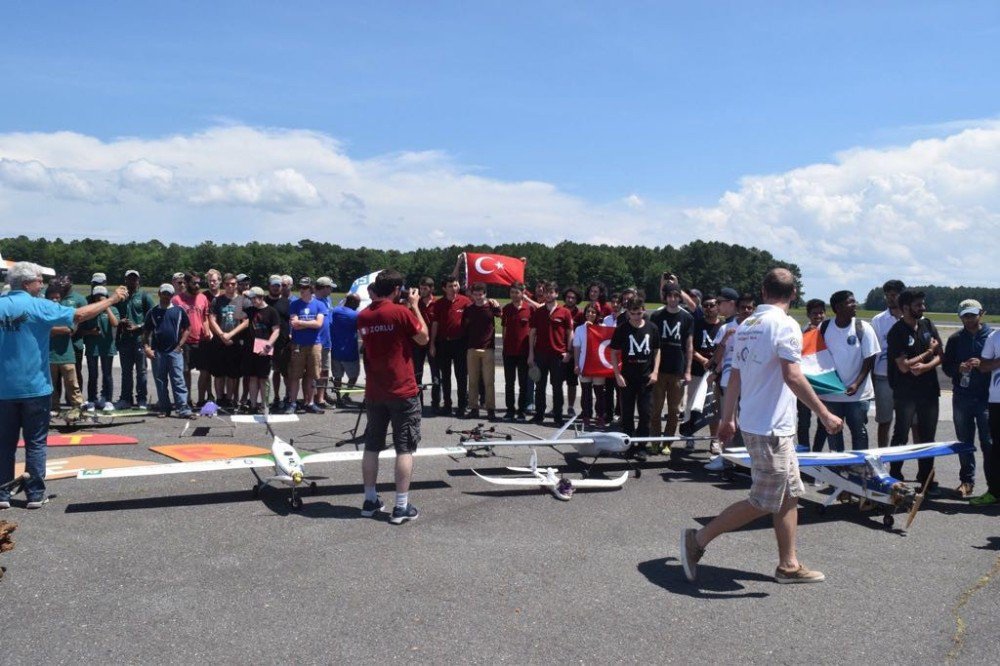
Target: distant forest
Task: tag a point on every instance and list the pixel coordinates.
(943, 299)
(705, 265)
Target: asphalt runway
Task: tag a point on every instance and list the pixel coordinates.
(191, 568)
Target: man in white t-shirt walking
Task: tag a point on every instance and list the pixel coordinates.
(854, 346)
(765, 380)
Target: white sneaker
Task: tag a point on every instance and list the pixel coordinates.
(715, 448)
(87, 407)
(37, 504)
(108, 407)
(4, 504)
(143, 406)
(716, 464)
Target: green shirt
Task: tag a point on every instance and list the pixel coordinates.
(134, 309)
(102, 344)
(74, 300)
(61, 350)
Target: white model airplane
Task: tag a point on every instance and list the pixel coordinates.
(286, 462)
(587, 444)
(863, 474)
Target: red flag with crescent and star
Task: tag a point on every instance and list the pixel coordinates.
(493, 269)
(597, 360)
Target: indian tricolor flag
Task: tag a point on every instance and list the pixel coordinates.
(817, 364)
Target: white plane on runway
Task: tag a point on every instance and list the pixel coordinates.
(286, 462)
(594, 445)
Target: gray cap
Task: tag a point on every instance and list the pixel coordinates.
(98, 278)
(178, 276)
(242, 277)
(131, 271)
(166, 288)
(324, 282)
(969, 306)
(274, 279)
(257, 291)
(99, 291)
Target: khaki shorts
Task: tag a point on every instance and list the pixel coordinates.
(304, 362)
(774, 468)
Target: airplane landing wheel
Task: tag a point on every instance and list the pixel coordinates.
(296, 503)
(313, 487)
(888, 521)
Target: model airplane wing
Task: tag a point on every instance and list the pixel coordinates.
(859, 457)
(177, 468)
(532, 482)
(526, 442)
(915, 451)
(343, 456)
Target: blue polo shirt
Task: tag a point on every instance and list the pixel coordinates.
(344, 333)
(307, 312)
(25, 323)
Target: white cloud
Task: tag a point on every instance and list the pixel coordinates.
(925, 212)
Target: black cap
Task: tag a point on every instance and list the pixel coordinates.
(728, 294)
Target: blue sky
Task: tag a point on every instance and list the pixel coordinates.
(673, 103)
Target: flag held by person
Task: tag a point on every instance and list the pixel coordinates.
(597, 358)
(818, 366)
(493, 269)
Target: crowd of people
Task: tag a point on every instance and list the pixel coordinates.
(247, 343)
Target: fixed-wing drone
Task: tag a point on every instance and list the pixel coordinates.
(594, 445)
(863, 474)
(286, 463)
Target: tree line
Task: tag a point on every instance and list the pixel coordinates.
(708, 266)
(943, 299)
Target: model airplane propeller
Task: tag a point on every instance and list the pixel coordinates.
(863, 474)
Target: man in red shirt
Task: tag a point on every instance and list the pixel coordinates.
(549, 341)
(196, 355)
(448, 343)
(388, 331)
(516, 320)
(479, 324)
(426, 290)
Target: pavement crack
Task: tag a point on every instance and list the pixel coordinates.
(958, 638)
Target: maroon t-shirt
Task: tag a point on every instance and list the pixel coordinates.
(386, 330)
(426, 311)
(516, 322)
(480, 326)
(551, 329)
(448, 315)
(577, 314)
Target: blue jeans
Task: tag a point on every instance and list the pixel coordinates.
(855, 415)
(970, 414)
(169, 367)
(30, 415)
(133, 362)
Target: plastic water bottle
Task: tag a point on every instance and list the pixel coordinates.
(966, 378)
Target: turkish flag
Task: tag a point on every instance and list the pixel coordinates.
(493, 269)
(597, 361)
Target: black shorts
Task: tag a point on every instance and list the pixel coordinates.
(568, 375)
(282, 355)
(403, 414)
(255, 365)
(196, 356)
(225, 360)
